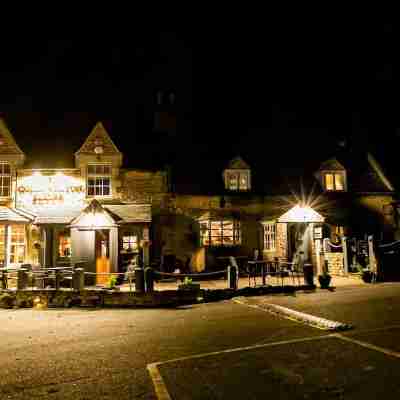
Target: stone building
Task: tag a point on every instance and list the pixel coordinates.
(85, 214)
(102, 214)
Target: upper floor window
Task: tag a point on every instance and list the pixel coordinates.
(237, 180)
(5, 180)
(334, 181)
(270, 236)
(220, 233)
(99, 180)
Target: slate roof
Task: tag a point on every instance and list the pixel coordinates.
(275, 174)
(53, 214)
(129, 213)
(121, 213)
(12, 215)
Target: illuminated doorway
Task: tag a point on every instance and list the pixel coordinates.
(102, 254)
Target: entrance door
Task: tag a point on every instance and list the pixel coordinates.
(102, 253)
(298, 240)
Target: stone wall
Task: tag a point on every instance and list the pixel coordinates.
(143, 185)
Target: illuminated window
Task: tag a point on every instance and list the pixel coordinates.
(129, 243)
(64, 244)
(334, 181)
(237, 180)
(5, 180)
(270, 236)
(2, 245)
(99, 180)
(17, 245)
(220, 233)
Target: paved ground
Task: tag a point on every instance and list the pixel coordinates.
(337, 281)
(103, 354)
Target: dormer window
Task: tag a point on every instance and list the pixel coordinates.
(237, 176)
(332, 176)
(238, 180)
(334, 181)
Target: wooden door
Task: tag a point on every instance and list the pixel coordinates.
(102, 250)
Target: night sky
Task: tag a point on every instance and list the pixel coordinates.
(281, 88)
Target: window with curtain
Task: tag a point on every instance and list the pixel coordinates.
(237, 180)
(64, 244)
(334, 181)
(220, 233)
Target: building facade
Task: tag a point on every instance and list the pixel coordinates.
(103, 215)
(86, 214)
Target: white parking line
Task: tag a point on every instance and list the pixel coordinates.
(368, 345)
(161, 388)
(158, 382)
(297, 316)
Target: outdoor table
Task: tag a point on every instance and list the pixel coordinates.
(252, 270)
(240, 260)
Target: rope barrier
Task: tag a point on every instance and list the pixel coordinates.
(336, 246)
(176, 275)
(389, 244)
(104, 273)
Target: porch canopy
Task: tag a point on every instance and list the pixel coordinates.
(13, 216)
(302, 214)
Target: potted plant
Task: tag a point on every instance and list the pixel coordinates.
(112, 283)
(324, 279)
(189, 285)
(367, 275)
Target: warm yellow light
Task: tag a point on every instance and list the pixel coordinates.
(301, 214)
(37, 173)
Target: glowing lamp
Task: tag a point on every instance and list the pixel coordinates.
(99, 150)
(302, 214)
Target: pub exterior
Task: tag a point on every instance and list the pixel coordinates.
(103, 215)
(55, 217)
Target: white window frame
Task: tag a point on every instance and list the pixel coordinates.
(237, 174)
(3, 177)
(98, 176)
(269, 235)
(334, 174)
(208, 233)
(130, 239)
(17, 245)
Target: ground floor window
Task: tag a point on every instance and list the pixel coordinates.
(129, 243)
(18, 244)
(270, 236)
(220, 233)
(64, 244)
(2, 252)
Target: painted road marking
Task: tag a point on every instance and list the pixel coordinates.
(297, 316)
(368, 345)
(163, 394)
(159, 384)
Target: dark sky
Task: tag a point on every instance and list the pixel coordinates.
(258, 88)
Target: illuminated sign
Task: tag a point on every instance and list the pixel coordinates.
(55, 189)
